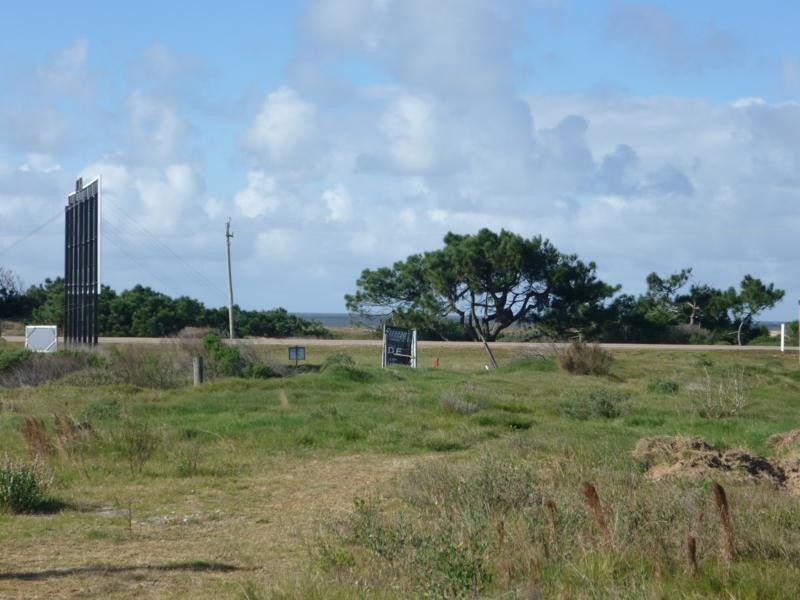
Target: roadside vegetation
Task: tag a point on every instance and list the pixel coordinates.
(485, 286)
(144, 312)
(666, 474)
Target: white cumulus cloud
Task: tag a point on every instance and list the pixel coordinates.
(283, 127)
(259, 198)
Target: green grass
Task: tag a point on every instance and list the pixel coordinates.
(225, 451)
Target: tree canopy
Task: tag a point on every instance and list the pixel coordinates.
(487, 282)
(477, 286)
(144, 312)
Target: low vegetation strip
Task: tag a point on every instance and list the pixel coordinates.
(522, 481)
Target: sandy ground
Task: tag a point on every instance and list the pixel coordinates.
(206, 543)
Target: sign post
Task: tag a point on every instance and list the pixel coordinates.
(399, 346)
(297, 353)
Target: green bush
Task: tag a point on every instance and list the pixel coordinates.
(663, 386)
(600, 403)
(11, 357)
(339, 359)
(137, 442)
(584, 359)
(22, 487)
(258, 370)
(225, 360)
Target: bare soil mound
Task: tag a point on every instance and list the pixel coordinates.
(683, 457)
(788, 440)
(791, 469)
(668, 449)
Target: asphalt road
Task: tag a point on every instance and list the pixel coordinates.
(424, 344)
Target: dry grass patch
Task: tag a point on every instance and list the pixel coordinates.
(188, 538)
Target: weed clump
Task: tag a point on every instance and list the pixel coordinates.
(22, 486)
(339, 359)
(723, 397)
(663, 386)
(452, 403)
(137, 442)
(602, 403)
(11, 357)
(342, 364)
(585, 359)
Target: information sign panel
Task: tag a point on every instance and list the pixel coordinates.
(41, 338)
(399, 346)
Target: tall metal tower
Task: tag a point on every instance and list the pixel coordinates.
(82, 264)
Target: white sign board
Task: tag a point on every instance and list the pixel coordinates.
(41, 338)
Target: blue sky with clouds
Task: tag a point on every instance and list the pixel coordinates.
(343, 134)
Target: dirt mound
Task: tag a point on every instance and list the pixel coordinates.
(791, 469)
(681, 457)
(782, 442)
(667, 449)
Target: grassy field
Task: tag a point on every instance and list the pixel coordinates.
(356, 482)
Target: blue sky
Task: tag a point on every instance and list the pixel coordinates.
(344, 134)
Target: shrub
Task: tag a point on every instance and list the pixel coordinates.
(23, 368)
(452, 403)
(663, 386)
(585, 359)
(10, 357)
(224, 360)
(137, 442)
(228, 361)
(339, 359)
(600, 403)
(259, 370)
(725, 397)
(150, 367)
(22, 487)
(343, 365)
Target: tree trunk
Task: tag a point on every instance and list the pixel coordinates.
(739, 331)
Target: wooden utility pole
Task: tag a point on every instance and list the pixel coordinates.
(228, 236)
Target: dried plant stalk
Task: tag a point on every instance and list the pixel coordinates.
(36, 437)
(721, 501)
(691, 554)
(501, 533)
(596, 510)
(552, 512)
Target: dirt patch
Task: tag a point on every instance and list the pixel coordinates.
(667, 449)
(683, 457)
(791, 469)
(782, 442)
(202, 538)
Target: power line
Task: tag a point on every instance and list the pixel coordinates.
(33, 232)
(206, 281)
(116, 240)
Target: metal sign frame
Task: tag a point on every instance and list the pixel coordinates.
(399, 346)
(82, 263)
(41, 338)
